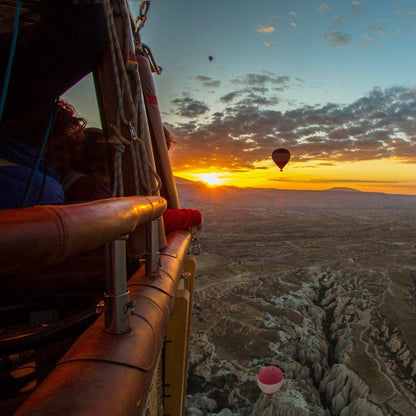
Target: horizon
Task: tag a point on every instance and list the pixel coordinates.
(334, 188)
(333, 82)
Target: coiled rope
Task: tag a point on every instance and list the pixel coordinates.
(140, 160)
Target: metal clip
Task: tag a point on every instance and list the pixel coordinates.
(196, 247)
(100, 306)
(132, 131)
(130, 306)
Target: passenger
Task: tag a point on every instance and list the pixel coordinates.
(89, 179)
(20, 141)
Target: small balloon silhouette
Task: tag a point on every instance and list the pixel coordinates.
(210, 58)
(281, 157)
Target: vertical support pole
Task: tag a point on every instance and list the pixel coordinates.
(189, 267)
(116, 297)
(153, 255)
(175, 354)
(177, 345)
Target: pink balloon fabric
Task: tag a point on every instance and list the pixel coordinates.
(270, 379)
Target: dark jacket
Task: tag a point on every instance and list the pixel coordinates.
(15, 178)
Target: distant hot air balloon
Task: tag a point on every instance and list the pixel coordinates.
(270, 379)
(281, 157)
(210, 58)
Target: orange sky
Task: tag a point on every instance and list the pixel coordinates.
(387, 176)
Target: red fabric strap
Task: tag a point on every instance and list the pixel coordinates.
(151, 99)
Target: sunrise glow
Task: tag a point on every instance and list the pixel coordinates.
(388, 176)
(346, 120)
(211, 178)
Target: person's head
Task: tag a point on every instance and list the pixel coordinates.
(66, 135)
(95, 154)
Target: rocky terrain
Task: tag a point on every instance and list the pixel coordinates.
(326, 295)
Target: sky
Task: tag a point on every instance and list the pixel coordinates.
(331, 81)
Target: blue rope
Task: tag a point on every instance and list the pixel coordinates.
(39, 158)
(11, 56)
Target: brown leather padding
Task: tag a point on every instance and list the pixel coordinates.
(105, 374)
(46, 235)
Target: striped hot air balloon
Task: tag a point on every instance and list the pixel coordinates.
(270, 379)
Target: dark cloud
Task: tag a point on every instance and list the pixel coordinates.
(285, 179)
(251, 96)
(188, 107)
(358, 9)
(212, 84)
(208, 81)
(376, 30)
(338, 21)
(261, 79)
(257, 90)
(227, 98)
(202, 78)
(379, 125)
(337, 39)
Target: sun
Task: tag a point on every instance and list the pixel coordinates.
(210, 178)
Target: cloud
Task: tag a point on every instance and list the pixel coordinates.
(265, 29)
(203, 78)
(188, 107)
(213, 84)
(230, 96)
(338, 21)
(261, 79)
(285, 179)
(358, 9)
(406, 29)
(337, 39)
(323, 7)
(379, 125)
(208, 81)
(376, 30)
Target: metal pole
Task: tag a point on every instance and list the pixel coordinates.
(116, 298)
(153, 255)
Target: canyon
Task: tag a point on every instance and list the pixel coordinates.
(326, 294)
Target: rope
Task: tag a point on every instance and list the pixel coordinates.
(140, 160)
(116, 55)
(11, 57)
(120, 144)
(39, 157)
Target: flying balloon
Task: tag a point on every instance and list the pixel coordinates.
(281, 157)
(210, 58)
(270, 379)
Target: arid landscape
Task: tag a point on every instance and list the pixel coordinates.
(322, 285)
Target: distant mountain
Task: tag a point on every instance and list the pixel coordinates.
(342, 189)
(183, 181)
(198, 194)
